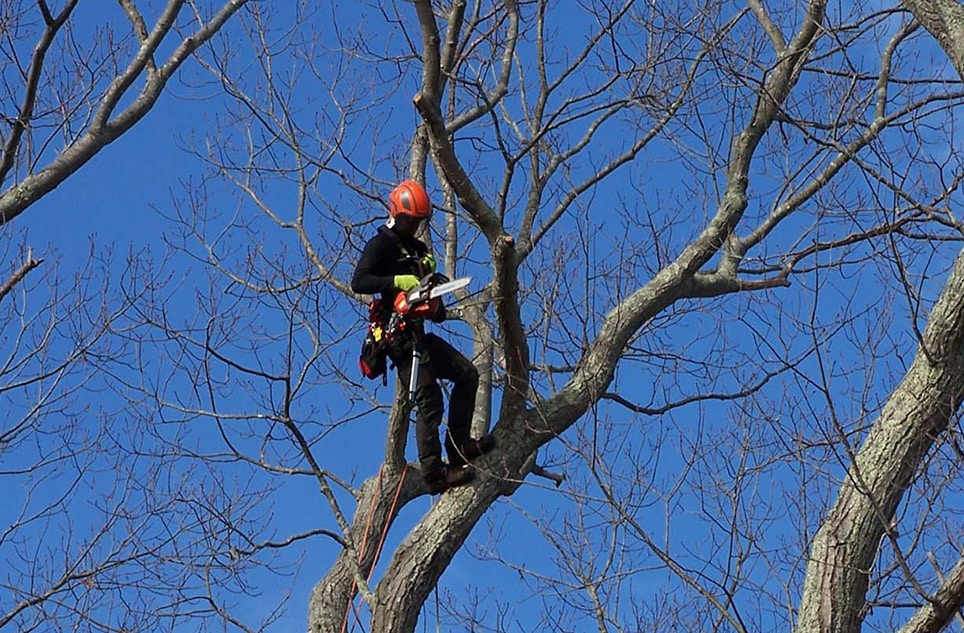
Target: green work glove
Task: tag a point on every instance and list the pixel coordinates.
(405, 282)
(428, 264)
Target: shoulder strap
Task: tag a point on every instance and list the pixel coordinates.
(406, 252)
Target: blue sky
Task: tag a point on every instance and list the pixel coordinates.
(112, 202)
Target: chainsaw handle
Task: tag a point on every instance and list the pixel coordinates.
(422, 289)
(418, 303)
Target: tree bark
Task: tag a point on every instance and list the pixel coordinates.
(944, 19)
(428, 549)
(380, 500)
(916, 413)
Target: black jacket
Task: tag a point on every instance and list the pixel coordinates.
(386, 255)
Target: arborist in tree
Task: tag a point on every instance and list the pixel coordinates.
(395, 261)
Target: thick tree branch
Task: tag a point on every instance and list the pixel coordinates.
(945, 605)
(52, 26)
(509, 318)
(452, 170)
(104, 129)
(425, 553)
(916, 414)
(382, 498)
(595, 371)
(944, 19)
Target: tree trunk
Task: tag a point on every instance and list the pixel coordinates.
(918, 410)
(428, 549)
(944, 19)
(380, 500)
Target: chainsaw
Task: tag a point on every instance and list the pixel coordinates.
(422, 301)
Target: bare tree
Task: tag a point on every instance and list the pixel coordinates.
(707, 238)
(87, 538)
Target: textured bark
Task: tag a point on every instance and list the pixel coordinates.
(380, 500)
(944, 19)
(918, 410)
(418, 563)
(946, 603)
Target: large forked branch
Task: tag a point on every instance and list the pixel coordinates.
(52, 25)
(107, 126)
(597, 367)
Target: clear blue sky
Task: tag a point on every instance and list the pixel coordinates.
(112, 202)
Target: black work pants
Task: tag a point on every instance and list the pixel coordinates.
(439, 361)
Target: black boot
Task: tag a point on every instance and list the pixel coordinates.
(458, 476)
(460, 454)
(438, 482)
(477, 448)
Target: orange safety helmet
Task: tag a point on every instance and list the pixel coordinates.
(409, 199)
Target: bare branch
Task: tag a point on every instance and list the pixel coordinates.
(52, 25)
(107, 126)
(19, 274)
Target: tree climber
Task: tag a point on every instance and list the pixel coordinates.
(394, 261)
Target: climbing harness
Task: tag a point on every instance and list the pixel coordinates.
(408, 310)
